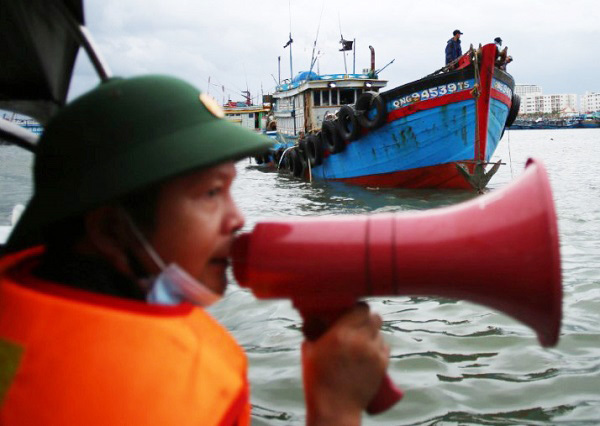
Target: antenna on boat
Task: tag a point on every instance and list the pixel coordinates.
(289, 43)
(247, 97)
(313, 59)
(354, 57)
(346, 44)
(248, 100)
(385, 66)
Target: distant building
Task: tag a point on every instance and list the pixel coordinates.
(530, 103)
(534, 102)
(590, 102)
(558, 103)
(527, 89)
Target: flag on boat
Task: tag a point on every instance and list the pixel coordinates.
(346, 45)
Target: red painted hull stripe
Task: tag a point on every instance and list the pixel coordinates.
(439, 176)
(501, 97)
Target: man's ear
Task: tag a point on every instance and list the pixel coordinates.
(108, 234)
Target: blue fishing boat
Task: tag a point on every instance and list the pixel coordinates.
(437, 132)
(590, 121)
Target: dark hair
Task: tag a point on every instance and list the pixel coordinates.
(141, 205)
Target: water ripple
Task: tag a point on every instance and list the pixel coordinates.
(532, 377)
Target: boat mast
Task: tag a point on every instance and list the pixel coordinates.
(313, 59)
(354, 57)
(344, 44)
(289, 43)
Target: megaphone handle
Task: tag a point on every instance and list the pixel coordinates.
(315, 325)
(386, 397)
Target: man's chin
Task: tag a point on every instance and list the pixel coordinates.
(215, 282)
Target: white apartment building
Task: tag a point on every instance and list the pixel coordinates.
(558, 103)
(526, 89)
(590, 102)
(534, 102)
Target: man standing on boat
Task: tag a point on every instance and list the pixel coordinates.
(453, 49)
(124, 242)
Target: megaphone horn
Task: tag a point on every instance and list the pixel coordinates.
(500, 250)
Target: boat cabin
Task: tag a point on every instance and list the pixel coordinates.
(302, 104)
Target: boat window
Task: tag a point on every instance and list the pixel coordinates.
(325, 97)
(316, 98)
(334, 97)
(251, 115)
(347, 96)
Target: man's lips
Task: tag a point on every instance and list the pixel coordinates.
(221, 261)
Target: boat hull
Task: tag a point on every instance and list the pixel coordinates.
(439, 176)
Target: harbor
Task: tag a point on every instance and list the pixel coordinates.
(209, 217)
(458, 363)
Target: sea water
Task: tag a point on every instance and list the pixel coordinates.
(457, 362)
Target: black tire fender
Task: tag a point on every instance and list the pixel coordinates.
(303, 151)
(314, 149)
(332, 140)
(347, 123)
(287, 161)
(277, 156)
(370, 110)
(296, 166)
(514, 110)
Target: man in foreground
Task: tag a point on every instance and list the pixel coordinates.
(127, 236)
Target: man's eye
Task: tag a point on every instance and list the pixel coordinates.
(214, 191)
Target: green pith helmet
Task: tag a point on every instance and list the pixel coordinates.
(125, 135)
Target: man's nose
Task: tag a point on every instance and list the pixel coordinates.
(235, 219)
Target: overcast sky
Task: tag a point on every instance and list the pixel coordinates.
(555, 44)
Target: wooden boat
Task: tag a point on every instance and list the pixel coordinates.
(437, 132)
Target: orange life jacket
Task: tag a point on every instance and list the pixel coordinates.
(71, 357)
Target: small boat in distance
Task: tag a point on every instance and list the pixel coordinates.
(545, 123)
(248, 115)
(437, 132)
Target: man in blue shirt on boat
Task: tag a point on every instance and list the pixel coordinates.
(453, 49)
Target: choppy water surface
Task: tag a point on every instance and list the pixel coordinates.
(457, 362)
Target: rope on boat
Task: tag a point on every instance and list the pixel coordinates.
(510, 156)
(450, 65)
(283, 156)
(476, 92)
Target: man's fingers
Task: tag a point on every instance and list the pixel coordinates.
(376, 321)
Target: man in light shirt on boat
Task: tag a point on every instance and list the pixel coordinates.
(125, 240)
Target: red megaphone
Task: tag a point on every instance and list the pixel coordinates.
(500, 250)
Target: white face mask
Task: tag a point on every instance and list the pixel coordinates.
(173, 285)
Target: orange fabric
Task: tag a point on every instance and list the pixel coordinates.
(98, 360)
